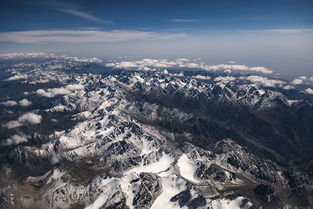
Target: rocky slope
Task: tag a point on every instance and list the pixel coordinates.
(129, 138)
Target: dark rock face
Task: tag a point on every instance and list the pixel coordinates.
(182, 198)
(213, 172)
(149, 189)
(263, 190)
(119, 148)
(121, 165)
(196, 202)
(267, 195)
(117, 201)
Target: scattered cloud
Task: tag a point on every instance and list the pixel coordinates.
(73, 87)
(27, 118)
(24, 102)
(202, 77)
(83, 36)
(39, 81)
(52, 92)
(263, 81)
(9, 103)
(297, 81)
(151, 64)
(181, 20)
(30, 118)
(225, 79)
(287, 87)
(302, 80)
(239, 67)
(15, 139)
(17, 77)
(308, 91)
(12, 124)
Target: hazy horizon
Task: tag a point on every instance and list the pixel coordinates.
(277, 35)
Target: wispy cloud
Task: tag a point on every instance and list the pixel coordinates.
(285, 31)
(81, 36)
(84, 15)
(297, 30)
(178, 20)
(69, 8)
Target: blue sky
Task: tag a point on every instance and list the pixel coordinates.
(278, 33)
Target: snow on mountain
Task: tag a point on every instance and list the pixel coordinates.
(132, 146)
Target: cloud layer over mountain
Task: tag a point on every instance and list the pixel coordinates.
(151, 64)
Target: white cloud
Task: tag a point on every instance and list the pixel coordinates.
(39, 81)
(14, 55)
(83, 36)
(182, 63)
(225, 79)
(238, 67)
(47, 55)
(17, 77)
(73, 87)
(122, 65)
(25, 102)
(308, 91)
(303, 77)
(263, 81)
(178, 74)
(9, 103)
(287, 87)
(12, 124)
(202, 77)
(30, 118)
(16, 139)
(261, 70)
(52, 92)
(297, 81)
(27, 118)
(302, 80)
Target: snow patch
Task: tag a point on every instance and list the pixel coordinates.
(157, 167)
(171, 186)
(187, 168)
